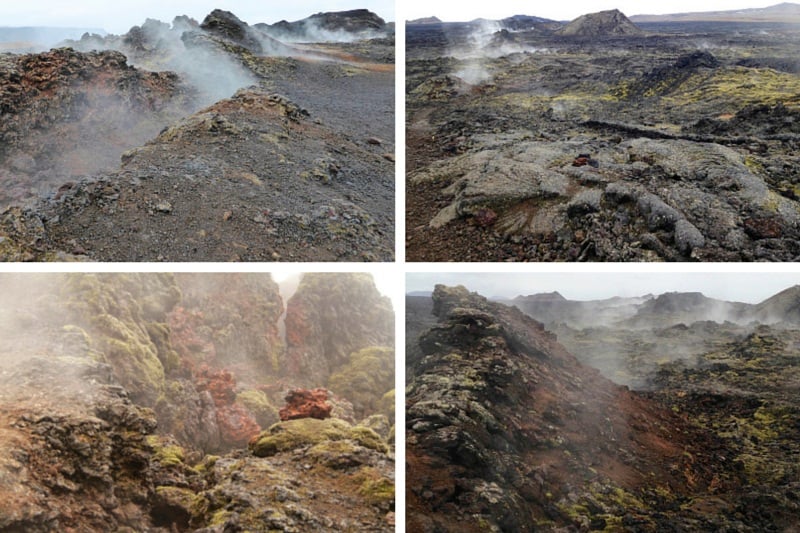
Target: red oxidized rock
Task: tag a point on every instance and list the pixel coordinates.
(237, 425)
(305, 403)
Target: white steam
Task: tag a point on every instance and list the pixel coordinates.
(485, 42)
(312, 32)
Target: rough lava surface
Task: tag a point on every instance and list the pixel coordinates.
(602, 141)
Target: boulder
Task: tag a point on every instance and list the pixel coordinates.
(305, 403)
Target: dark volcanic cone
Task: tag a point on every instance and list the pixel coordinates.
(507, 431)
(601, 24)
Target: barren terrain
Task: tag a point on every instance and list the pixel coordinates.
(210, 141)
(601, 140)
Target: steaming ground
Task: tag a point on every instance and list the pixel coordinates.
(308, 176)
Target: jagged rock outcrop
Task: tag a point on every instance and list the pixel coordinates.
(327, 319)
(56, 104)
(105, 424)
(229, 320)
(506, 430)
(228, 26)
(305, 403)
(601, 24)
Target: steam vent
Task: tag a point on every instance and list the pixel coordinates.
(155, 402)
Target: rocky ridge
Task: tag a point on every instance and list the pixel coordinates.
(506, 430)
(479, 455)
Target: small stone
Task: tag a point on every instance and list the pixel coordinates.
(374, 140)
(164, 207)
(226, 216)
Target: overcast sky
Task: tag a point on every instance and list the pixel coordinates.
(450, 10)
(118, 17)
(751, 288)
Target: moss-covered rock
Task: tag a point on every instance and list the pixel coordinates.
(380, 424)
(386, 405)
(165, 451)
(364, 380)
(257, 403)
(293, 434)
(377, 489)
(331, 316)
(119, 312)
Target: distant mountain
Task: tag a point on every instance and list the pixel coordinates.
(783, 307)
(525, 22)
(328, 26)
(553, 308)
(687, 308)
(661, 311)
(786, 12)
(601, 24)
(425, 20)
(34, 37)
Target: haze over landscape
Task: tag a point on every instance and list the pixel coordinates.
(118, 17)
(451, 11)
(741, 287)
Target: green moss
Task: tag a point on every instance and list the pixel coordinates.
(257, 403)
(219, 518)
(386, 405)
(207, 464)
(377, 491)
(177, 497)
(119, 313)
(368, 375)
(740, 86)
(368, 438)
(292, 434)
(159, 335)
(166, 454)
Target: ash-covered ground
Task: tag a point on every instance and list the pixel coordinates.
(603, 140)
(202, 141)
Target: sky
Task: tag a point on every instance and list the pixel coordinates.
(119, 16)
(739, 287)
(450, 11)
